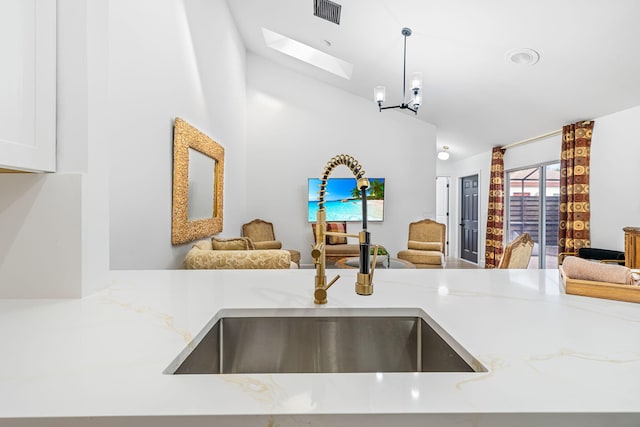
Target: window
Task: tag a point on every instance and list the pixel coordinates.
(533, 200)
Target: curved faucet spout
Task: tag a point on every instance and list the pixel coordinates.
(364, 285)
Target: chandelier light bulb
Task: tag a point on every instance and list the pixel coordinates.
(416, 81)
(379, 94)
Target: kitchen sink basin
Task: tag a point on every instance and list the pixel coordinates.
(248, 341)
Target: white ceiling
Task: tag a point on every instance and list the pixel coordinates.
(589, 59)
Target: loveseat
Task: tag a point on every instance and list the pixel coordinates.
(237, 253)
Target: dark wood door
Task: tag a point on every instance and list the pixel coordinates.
(469, 219)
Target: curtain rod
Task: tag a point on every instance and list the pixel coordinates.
(536, 138)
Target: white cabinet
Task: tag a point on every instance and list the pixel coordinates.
(28, 85)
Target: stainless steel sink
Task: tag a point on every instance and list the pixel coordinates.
(282, 342)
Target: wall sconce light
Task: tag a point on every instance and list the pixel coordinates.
(443, 154)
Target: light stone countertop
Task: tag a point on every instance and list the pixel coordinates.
(553, 359)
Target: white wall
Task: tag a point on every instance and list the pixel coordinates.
(296, 124)
(167, 59)
(534, 153)
(614, 178)
(81, 122)
(40, 225)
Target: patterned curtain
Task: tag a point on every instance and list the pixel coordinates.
(495, 215)
(575, 212)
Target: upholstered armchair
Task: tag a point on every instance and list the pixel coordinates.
(518, 252)
(426, 245)
(337, 247)
(261, 234)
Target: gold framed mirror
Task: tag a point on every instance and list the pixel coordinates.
(198, 184)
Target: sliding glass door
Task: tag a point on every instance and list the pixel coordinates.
(533, 198)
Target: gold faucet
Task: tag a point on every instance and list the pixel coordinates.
(364, 283)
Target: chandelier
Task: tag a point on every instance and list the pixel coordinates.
(379, 92)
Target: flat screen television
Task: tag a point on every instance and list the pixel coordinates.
(342, 201)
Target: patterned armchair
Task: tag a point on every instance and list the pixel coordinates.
(426, 246)
(261, 234)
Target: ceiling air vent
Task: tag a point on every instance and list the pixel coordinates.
(328, 10)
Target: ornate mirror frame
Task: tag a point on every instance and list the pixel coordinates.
(183, 230)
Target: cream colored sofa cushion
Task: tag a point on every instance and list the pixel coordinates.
(425, 246)
(198, 258)
(422, 258)
(268, 244)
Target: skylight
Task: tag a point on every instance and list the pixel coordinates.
(307, 54)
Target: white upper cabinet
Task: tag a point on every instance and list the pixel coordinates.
(28, 85)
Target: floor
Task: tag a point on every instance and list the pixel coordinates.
(458, 263)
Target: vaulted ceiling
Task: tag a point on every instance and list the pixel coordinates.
(588, 67)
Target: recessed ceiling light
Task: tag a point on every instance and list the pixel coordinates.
(307, 54)
(522, 56)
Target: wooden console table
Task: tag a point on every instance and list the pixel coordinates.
(632, 247)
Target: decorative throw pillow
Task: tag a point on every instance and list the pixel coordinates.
(232, 244)
(340, 227)
(337, 227)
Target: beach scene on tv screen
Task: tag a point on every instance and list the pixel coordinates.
(343, 202)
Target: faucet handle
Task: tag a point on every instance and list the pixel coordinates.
(320, 294)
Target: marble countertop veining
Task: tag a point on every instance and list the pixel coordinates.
(551, 357)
